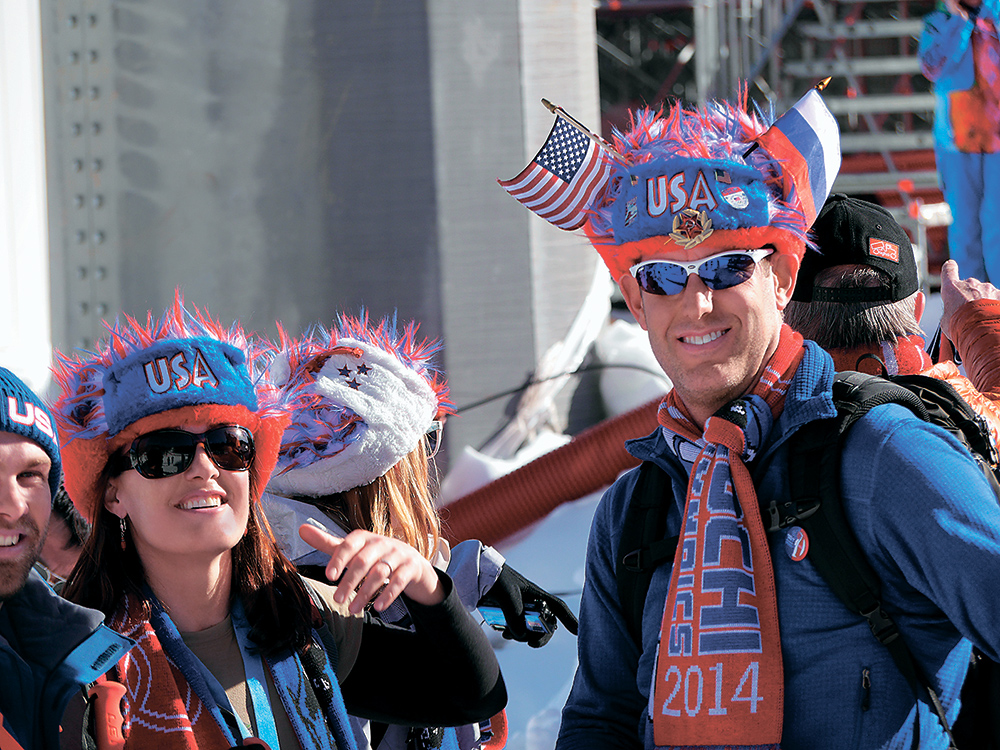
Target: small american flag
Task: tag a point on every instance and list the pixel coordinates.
(563, 178)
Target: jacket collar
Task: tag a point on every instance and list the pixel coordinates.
(53, 633)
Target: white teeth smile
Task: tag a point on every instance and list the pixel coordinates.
(202, 502)
(702, 339)
(9, 540)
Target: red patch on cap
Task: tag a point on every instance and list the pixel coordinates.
(883, 249)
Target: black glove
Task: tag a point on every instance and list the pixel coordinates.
(513, 593)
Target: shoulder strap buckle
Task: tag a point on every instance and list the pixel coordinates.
(790, 512)
(882, 626)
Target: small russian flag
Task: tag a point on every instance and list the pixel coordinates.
(806, 142)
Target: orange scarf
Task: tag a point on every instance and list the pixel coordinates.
(719, 679)
(162, 710)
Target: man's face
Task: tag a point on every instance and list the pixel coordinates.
(25, 505)
(713, 344)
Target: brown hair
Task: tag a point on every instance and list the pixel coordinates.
(839, 325)
(272, 593)
(398, 504)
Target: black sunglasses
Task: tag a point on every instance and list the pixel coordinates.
(721, 271)
(165, 453)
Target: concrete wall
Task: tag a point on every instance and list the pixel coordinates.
(283, 160)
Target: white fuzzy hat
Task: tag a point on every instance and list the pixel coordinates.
(367, 395)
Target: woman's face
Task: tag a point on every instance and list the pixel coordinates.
(200, 512)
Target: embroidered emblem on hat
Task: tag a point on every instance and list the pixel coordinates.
(883, 249)
(797, 543)
(631, 211)
(33, 415)
(691, 227)
(736, 197)
(162, 374)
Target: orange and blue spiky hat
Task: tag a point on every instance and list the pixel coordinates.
(184, 368)
(693, 177)
(367, 396)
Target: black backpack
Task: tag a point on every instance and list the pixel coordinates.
(814, 505)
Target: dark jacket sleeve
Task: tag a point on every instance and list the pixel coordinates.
(441, 673)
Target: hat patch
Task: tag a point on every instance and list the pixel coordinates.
(691, 227)
(679, 198)
(883, 249)
(350, 376)
(687, 199)
(736, 197)
(32, 416)
(162, 373)
(631, 211)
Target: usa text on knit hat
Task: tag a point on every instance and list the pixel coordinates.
(710, 178)
(23, 413)
(703, 178)
(856, 232)
(367, 395)
(184, 368)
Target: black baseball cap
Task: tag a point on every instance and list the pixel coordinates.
(850, 230)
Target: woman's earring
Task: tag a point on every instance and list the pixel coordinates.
(121, 523)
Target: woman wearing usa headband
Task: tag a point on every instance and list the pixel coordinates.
(170, 435)
(356, 456)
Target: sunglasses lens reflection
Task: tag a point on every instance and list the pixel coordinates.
(168, 452)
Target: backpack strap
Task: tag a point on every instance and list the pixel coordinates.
(103, 722)
(814, 482)
(319, 660)
(641, 547)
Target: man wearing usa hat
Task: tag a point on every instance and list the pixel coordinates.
(740, 643)
(49, 648)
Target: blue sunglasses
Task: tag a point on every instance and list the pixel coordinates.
(721, 271)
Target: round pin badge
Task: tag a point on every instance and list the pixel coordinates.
(736, 197)
(797, 543)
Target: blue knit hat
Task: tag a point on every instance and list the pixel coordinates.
(23, 413)
(184, 367)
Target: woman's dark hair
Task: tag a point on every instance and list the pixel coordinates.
(275, 598)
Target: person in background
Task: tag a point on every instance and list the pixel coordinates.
(67, 532)
(50, 649)
(960, 54)
(857, 295)
(357, 455)
(169, 435)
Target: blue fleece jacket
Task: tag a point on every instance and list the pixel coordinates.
(930, 526)
(49, 649)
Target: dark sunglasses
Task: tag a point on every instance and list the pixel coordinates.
(721, 271)
(165, 453)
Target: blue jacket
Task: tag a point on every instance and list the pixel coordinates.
(49, 649)
(946, 60)
(930, 524)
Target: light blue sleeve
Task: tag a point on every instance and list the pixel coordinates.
(474, 568)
